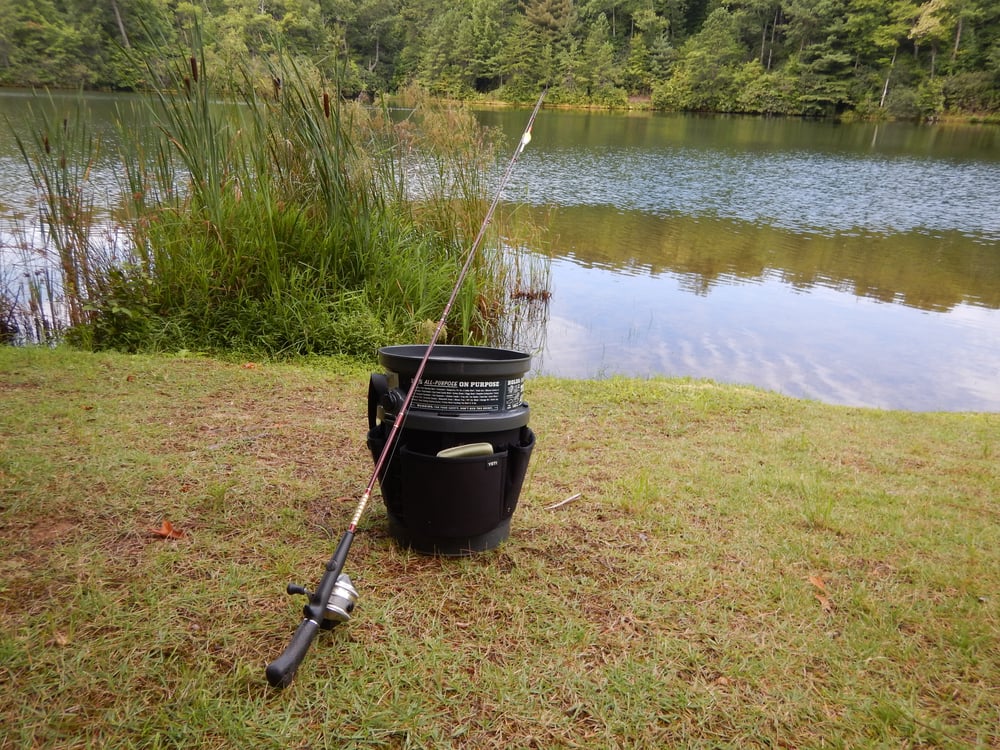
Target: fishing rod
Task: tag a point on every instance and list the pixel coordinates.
(333, 600)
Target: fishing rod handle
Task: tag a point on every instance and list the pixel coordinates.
(281, 671)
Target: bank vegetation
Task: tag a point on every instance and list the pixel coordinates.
(905, 58)
(261, 213)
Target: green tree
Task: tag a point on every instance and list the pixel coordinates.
(598, 72)
(823, 71)
(487, 26)
(134, 32)
(648, 25)
(374, 40)
(638, 74)
(757, 21)
(808, 22)
(447, 48)
(463, 47)
(40, 45)
(555, 20)
(891, 35)
(301, 28)
(929, 29)
(760, 91)
(703, 78)
(812, 56)
(612, 11)
(539, 47)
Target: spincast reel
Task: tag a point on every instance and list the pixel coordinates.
(340, 604)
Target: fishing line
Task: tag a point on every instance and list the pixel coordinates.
(334, 598)
(404, 409)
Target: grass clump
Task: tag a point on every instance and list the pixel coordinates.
(261, 214)
(741, 569)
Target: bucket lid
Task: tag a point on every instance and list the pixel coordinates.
(452, 360)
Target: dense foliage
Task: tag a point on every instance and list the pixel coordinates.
(895, 57)
(276, 220)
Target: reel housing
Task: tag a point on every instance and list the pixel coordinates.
(340, 604)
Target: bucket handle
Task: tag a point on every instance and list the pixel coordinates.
(378, 386)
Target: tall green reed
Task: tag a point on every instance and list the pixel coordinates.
(60, 154)
(267, 245)
(267, 215)
(460, 163)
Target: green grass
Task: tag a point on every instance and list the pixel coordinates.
(674, 604)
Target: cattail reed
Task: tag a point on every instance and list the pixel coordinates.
(264, 227)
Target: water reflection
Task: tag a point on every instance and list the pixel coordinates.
(855, 264)
(826, 344)
(912, 268)
(798, 191)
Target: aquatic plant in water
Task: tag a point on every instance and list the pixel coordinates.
(264, 214)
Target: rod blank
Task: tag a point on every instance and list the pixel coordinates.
(281, 671)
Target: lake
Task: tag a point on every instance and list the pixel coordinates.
(850, 263)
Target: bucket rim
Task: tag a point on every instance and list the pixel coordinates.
(455, 360)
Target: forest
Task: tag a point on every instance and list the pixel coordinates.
(846, 58)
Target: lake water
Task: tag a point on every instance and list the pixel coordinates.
(850, 263)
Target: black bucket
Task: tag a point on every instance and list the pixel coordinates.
(454, 478)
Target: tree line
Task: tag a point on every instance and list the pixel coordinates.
(894, 58)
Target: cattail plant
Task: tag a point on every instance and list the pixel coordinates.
(266, 214)
(60, 156)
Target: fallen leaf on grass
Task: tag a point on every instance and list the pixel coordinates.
(821, 595)
(167, 531)
(250, 366)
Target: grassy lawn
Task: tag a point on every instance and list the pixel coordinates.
(741, 569)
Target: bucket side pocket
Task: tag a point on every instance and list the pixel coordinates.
(517, 467)
(453, 497)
